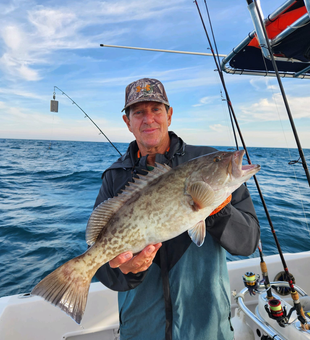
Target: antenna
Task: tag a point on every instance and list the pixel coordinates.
(161, 50)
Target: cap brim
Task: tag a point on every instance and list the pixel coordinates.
(140, 100)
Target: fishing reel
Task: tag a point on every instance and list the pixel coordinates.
(251, 282)
(276, 312)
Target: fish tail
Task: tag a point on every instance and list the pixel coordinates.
(67, 288)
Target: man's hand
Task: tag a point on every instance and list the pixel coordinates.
(128, 263)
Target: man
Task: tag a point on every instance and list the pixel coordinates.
(173, 290)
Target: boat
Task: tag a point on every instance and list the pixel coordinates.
(29, 317)
(288, 30)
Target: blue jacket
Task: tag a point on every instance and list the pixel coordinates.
(185, 294)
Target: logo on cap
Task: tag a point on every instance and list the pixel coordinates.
(146, 90)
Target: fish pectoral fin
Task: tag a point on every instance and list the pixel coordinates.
(198, 233)
(202, 194)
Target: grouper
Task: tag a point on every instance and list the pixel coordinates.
(156, 207)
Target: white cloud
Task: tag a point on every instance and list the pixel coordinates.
(21, 93)
(6, 9)
(53, 23)
(273, 138)
(273, 109)
(27, 73)
(57, 43)
(123, 10)
(30, 40)
(261, 138)
(16, 59)
(207, 100)
(261, 84)
(16, 116)
(17, 67)
(12, 37)
(218, 128)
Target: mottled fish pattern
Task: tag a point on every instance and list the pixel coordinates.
(156, 207)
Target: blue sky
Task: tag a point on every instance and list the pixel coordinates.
(56, 43)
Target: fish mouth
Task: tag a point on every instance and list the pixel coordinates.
(238, 170)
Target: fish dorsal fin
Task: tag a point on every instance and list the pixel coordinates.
(105, 210)
(162, 167)
(100, 217)
(198, 233)
(202, 194)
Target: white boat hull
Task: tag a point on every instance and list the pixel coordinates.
(29, 317)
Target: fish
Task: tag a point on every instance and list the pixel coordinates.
(154, 208)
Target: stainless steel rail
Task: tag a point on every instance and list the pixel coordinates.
(264, 326)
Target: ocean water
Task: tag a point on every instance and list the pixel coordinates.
(48, 188)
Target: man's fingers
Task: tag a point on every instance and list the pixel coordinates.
(121, 259)
(127, 263)
(151, 249)
(142, 261)
(139, 263)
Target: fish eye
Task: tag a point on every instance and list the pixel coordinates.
(217, 159)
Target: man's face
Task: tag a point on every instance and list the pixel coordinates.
(149, 122)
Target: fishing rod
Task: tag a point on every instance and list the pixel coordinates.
(218, 60)
(264, 270)
(54, 108)
(261, 30)
(294, 293)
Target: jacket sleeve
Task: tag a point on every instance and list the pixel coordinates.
(113, 278)
(236, 226)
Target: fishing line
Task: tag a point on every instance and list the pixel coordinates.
(290, 156)
(213, 37)
(220, 70)
(288, 150)
(54, 106)
(294, 293)
(217, 63)
(230, 132)
(231, 111)
(288, 110)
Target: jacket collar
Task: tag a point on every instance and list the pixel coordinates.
(130, 160)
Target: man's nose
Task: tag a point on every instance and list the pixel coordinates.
(148, 117)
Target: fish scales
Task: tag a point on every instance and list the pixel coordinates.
(157, 207)
(145, 219)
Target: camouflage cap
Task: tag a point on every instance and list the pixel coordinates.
(145, 90)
